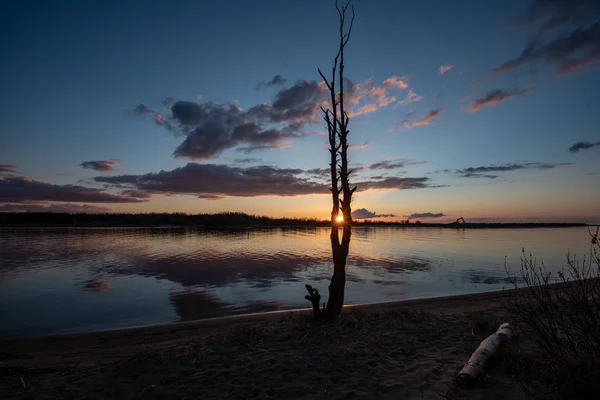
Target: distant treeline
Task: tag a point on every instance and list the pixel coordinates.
(228, 219)
(153, 219)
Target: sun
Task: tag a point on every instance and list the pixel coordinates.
(340, 218)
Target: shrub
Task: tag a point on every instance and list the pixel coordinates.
(560, 319)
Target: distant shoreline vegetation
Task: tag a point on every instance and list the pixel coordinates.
(225, 220)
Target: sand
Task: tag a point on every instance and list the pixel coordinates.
(404, 350)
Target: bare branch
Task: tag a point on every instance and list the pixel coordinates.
(324, 79)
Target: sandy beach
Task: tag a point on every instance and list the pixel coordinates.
(409, 349)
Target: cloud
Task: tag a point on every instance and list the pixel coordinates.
(209, 128)
(246, 160)
(358, 146)
(567, 37)
(445, 68)
(363, 213)
(426, 120)
(277, 80)
(136, 193)
(319, 172)
(411, 97)
(300, 102)
(7, 168)
(483, 171)
(494, 97)
(380, 94)
(426, 215)
(101, 165)
(392, 164)
(582, 146)
(20, 189)
(143, 110)
(96, 285)
(260, 147)
(54, 208)
(472, 175)
(394, 183)
(366, 109)
(218, 181)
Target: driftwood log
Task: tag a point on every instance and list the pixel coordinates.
(476, 365)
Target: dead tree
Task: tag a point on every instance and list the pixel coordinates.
(336, 119)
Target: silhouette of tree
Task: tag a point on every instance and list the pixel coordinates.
(336, 119)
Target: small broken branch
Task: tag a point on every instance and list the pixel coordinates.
(314, 297)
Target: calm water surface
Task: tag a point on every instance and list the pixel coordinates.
(56, 280)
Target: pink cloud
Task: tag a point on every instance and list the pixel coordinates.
(426, 120)
(380, 93)
(445, 68)
(411, 97)
(358, 146)
(366, 109)
(7, 168)
(398, 82)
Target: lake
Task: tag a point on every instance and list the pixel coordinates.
(58, 280)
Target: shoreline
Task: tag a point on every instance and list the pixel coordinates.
(134, 337)
(468, 225)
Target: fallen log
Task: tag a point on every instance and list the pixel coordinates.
(476, 365)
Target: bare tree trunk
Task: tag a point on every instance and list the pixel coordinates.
(337, 120)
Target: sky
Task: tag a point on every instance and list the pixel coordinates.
(485, 110)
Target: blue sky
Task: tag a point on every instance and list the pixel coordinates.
(86, 81)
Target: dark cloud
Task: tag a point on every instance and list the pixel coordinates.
(19, 189)
(495, 97)
(101, 165)
(260, 147)
(96, 285)
(363, 213)
(299, 103)
(7, 168)
(426, 215)
(567, 37)
(473, 175)
(482, 171)
(211, 128)
(395, 183)
(321, 172)
(221, 180)
(393, 164)
(277, 80)
(136, 193)
(426, 120)
(142, 110)
(582, 146)
(54, 208)
(246, 160)
(213, 181)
